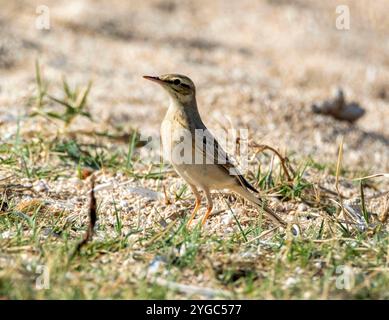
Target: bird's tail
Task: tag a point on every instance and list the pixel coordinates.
(250, 197)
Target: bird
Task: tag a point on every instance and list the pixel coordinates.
(194, 152)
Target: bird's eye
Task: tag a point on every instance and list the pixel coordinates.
(176, 82)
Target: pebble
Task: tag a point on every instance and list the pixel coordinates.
(290, 282)
(123, 204)
(229, 230)
(295, 230)
(227, 220)
(299, 270)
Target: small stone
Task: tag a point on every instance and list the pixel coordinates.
(123, 204)
(229, 230)
(227, 220)
(183, 250)
(290, 282)
(299, 270)
(295, 230)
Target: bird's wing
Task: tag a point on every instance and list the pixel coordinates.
(207, 146)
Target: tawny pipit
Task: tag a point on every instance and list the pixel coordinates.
(194, 152)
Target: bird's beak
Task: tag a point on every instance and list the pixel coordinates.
(154, 79)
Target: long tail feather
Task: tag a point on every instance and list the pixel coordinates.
(253, 199)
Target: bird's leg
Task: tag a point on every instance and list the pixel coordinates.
(196, 208)
(197, 205)
(209, 207)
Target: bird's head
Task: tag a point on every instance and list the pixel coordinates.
(178, 86)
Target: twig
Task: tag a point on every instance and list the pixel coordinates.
(338, 167)
(92, 219)
(284, 161)
(167, 199)
(386, 175)
(329, 191)
(160, 234)
(6, 178)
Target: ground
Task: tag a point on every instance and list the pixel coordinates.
(258, 65)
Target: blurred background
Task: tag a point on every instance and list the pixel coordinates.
(259, 65)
